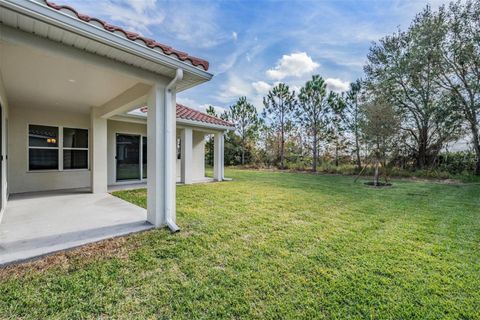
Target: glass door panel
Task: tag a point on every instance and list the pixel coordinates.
(128, 157)
(144, 157)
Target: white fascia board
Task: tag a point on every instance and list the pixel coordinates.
(41, 12)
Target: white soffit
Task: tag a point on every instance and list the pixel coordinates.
(36, 18)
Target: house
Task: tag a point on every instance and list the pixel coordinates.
(71, 87)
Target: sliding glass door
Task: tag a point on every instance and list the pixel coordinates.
(128, 157)
(144, 157)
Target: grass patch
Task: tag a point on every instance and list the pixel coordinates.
(272, 245)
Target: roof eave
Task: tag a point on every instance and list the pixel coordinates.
(41, 12)
(185, 122)
(204, 125)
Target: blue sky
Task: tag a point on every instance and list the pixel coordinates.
(251, 45)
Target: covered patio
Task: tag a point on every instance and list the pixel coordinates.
(36, 224)
(63, 77)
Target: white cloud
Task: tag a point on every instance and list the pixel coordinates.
(234, 88)
(234, 36)
(338, 85)
(261, 87)
(141, 6)
(139, 16)
(295, 64)
(191, 103)
(180, 20)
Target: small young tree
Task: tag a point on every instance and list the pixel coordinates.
(380, 127)
(279, 107)
(245, 117)
(312, 112)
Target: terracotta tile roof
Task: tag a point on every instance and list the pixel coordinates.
(150, 43)
(187, 113)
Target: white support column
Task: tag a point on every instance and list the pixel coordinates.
(161, 157)
(218, 157)
(187, 155)
(156, 157)
(99, 173)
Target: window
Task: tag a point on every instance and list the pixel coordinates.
(46, 152)
(75, 148)
(42, 148)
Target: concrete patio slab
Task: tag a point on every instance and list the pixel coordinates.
(41, 223)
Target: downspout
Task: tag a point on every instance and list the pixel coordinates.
(169, 132)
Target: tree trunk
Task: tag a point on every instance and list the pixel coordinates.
(422, 149)
(282, 150)
(357, 151)
(376, 178)
(336, 156)
(476, 146)
(315, 154)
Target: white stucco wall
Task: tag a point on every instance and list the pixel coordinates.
(198, 155)
(19, 178)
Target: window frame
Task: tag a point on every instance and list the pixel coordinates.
(59, 147)
(79, 149)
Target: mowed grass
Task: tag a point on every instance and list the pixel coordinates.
(274, 246)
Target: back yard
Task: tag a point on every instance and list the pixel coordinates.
(273, 245)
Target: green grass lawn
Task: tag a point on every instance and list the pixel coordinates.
(274, 246)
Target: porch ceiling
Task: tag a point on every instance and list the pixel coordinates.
(35, 78)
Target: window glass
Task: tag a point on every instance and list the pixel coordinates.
(75, 138)
(75, 159)
(42, 136)
(144, 156)
(43, 159)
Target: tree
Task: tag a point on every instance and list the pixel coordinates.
(211, 111)
(279, 107)
(312, 112)
(353, 115)
(245, 117)
(403, 69)
(337, 124)
(209, 145)
(460, 63)
(380, 127)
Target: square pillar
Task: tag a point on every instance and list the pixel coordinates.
(98, 147)
(161, 156)
(218, 156)
(156, 157)
(187, 155)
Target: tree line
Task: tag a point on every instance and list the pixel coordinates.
(421, 92)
